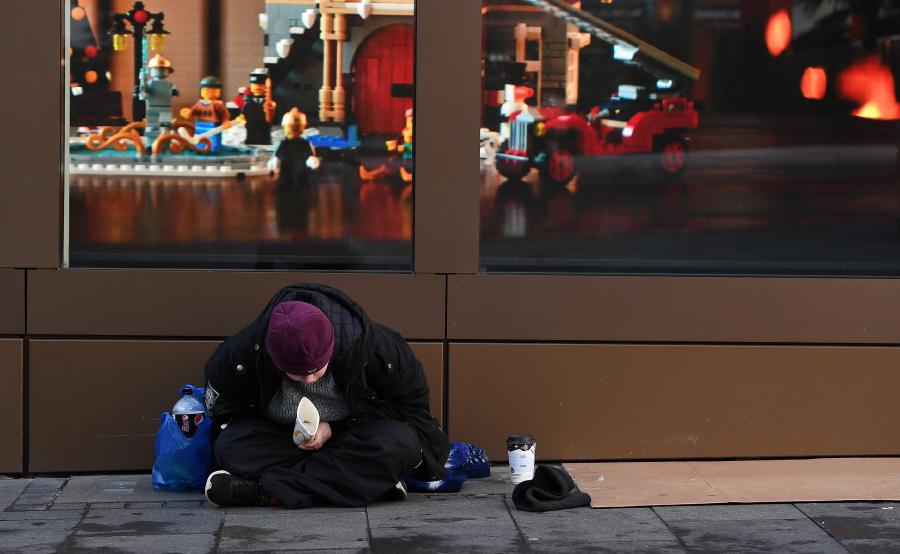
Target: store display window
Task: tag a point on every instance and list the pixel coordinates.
(240, 134)
(691, 136)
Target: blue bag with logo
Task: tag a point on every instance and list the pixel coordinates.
(183, 446)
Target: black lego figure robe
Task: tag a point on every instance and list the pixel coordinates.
(258, 129)
(292, 155)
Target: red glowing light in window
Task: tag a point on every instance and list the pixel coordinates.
(814, 83)
(778, 32)
(870, 84)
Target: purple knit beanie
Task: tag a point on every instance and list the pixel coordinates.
(300, 338)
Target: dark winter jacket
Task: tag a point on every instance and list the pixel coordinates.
(372, 364)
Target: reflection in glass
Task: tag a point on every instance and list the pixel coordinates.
(239, 223)
(262, 134)
(703, 136)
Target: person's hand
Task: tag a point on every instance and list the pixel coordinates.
(319, 439)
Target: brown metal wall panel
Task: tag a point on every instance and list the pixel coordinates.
(674, 309)
(12, 302)
(95, 405)
(594, 402)
(11, 376)
(448, 108)
(431, 355)
(213, 303)
(31, 141)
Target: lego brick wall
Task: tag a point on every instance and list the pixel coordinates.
(242, 43)
(185, 47)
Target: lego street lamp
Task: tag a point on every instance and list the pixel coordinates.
(138, 18)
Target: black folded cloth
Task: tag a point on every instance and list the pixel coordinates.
(552, 488)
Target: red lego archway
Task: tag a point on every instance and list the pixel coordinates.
(384, 59)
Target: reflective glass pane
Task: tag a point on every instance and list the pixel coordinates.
(240, 133)
(691, 136)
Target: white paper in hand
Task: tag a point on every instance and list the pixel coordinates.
(307, 422)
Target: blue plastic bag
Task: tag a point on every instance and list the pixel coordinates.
(182, 463)
(465, 460)
(452, 482)
(469, 459)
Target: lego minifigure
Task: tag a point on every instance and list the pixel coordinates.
(404, 145)
(294, 156)
(157, 92)
(259, 109)
(406, 148)
(209, 112)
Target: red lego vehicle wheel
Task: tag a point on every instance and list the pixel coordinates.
(673, 154)
(512, 169)
(559, 168)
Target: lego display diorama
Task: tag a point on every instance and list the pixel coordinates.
(751, 136)
(286, 142)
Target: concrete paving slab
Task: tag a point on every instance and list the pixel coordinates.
(872, 546)
(270, 531)
(145, 505)
(453, 511)
(634, 547)
(118, 488)
(583, 527)
(776, 536)
(35, 536)
(40, 491)
(856, 520)
(102, 505)
(728, 512)
(189, 504)
(328, 551)
(445, 523)
(19, 507)
(40, 516)
(10, 489)
(256, 510)
(149, 522)
(145, 544)
(69, 506)
(497, 483)
(440, 539)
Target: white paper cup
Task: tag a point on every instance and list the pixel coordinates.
(521, 457)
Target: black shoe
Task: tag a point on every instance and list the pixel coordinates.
(224, 489)
(397, 492)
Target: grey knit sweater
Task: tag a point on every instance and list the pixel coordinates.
(324, 394)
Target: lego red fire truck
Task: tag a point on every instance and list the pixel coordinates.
(636, 119)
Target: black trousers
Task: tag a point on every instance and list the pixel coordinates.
(354, 468)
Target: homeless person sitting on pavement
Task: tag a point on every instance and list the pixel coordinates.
(375, 427)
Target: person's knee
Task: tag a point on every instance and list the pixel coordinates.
(406, 441)
(221, 448)
(227, 445)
